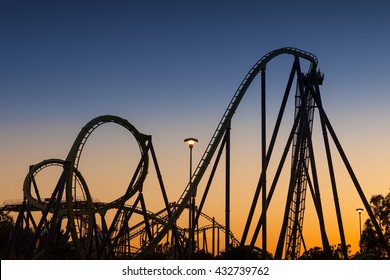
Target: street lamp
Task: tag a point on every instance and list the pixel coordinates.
(360, 210)
(191, 142)
(191, 224)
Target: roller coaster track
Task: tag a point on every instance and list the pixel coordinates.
(221, 128)
(72, 181)
(88, 209)
(29, 182)
(160, 218)
(114, 241)
(297, 207)
(74, 158)
(78, 145)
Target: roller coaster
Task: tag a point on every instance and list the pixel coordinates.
(70, 224)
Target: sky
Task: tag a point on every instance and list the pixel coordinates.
(170, 68)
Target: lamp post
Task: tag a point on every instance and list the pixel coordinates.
(191, 207)
(360, 210)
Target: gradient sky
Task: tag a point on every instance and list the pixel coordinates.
(170, 68)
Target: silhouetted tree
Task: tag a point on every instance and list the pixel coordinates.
(369, 242)
(202, 255)
(6, 226)
(161, 252)
(317, 253)
(337, 252)
(246, 253)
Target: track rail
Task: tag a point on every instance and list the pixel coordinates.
(221, 128)
(74, 157)
(78, 145)
(30, 181)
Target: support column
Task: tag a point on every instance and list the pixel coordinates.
(227, 194)
(264, 159)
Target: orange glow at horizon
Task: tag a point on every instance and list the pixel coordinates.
(111, 156)
(108, 169)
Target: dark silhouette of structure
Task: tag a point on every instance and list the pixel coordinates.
(74, 227)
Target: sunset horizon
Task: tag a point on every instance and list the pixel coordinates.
(100, 100)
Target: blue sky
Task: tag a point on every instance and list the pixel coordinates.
(171, 68)
(89, 56)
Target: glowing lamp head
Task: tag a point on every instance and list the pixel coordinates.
(191, 142)
(360, 210)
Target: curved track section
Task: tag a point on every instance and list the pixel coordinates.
(74, 157)
(221, 128)
(78, 145)
(31, 190)
(159, 220)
